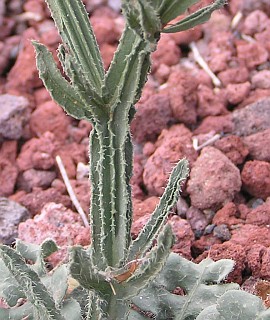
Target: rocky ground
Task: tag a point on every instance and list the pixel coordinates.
(221, 125)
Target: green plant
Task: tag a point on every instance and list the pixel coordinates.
(115, 278)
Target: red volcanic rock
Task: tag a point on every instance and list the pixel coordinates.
(183, 236)
(214, 180)
(237, 92)
(142, 211)
(172, 145)
(227, 250)
(105, 29)
(261, 79)
(233, 147)
(8, 169)
(256, 178)
(23, 76)
(181, 87)
(162, 73)
(58, 223)
(82, 189)
(50, 117)
(33, 178)
(258, 259)
(136, 180)
(167, 53)
(13, 116)
(247, 235)
(253, 54)
(38, 153)
(35, 200)
(42, 95)
(217, 124)
(255, 22)
(8, 177)
(204, 243)
(253, 118)
(258, 145)
(260, 216)
(220, 51)
(196, 219)
(7, 47)
(71, 154)
(142, 208)
(238, 74)
(209, 103)
(264, 37)
(107, 52)
(8, 150)
(151, 117)
(228, 215)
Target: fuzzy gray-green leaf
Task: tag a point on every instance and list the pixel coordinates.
(74, 27)
(35, 292)
(170, 9)
(61, 91)
(236, 305)
(195, 280)
(158, 218)
(198, 17)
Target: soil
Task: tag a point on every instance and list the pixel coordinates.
(223, 130)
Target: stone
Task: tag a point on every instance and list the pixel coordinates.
(228, 250)
(82, 190)
(222, 232)
(56, 222)
(255, 22)
(71, 154)
(167, 53)
(196, 219)
(23, 76)
(233, 147)
(237, 92)
(260, 215)
(218, 124)
(252, 53)
(209, 103)
(256, 178)
(247, 235)
(11, 214)
(181, 87)
(204, 243)
(172, 145)
(183, 236)
(38, 153)
(50, 117)
(258, 145)
(143, 208)
(8, 177)
(151, 117)
(33, 178)
(36, 200)
(229, 215)
(261, 79)
(13, 116)
(238, 74)
(214, 180)
(252, 118)
(105, 29)
(136, 180)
